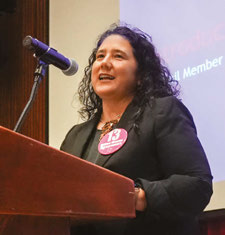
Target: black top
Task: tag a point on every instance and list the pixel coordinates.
(91, 154)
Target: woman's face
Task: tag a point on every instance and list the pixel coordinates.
(114, 70)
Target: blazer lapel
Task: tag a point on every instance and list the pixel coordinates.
(85, 135)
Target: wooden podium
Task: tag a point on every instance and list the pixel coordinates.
(45, 191)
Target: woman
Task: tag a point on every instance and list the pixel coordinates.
(125, 86)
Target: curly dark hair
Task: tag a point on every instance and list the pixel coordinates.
(155, 78)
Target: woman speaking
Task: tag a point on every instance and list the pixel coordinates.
(127, 91)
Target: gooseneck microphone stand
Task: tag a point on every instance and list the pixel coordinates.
(38, 76)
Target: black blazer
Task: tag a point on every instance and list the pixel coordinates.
(165, 157)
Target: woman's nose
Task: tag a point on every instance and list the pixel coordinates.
(106, 63)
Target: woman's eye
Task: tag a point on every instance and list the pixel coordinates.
(118, 56)
(99, 56)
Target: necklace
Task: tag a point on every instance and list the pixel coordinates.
(108, 126)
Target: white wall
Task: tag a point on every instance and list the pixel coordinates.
(74, 28)
(218, 198)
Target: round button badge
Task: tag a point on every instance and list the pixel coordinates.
(112, 141)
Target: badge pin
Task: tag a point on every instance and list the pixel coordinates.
(112, 141)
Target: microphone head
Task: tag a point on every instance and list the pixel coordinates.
(27, 42)
(72, 69)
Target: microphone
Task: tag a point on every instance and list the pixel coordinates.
(50, 56)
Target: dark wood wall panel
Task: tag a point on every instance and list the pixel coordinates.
(17, 66)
